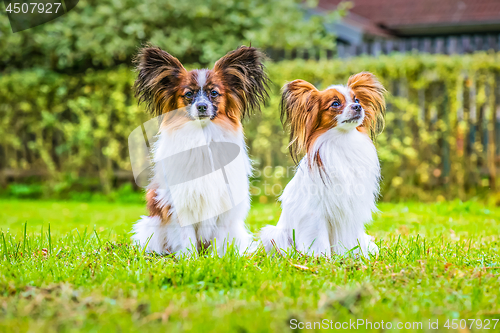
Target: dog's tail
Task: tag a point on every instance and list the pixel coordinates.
(276, 238)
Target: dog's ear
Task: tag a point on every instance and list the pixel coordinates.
(299, 109)
(158, 79)
(243, 74)
(370, 93)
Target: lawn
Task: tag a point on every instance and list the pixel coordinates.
(438, 262)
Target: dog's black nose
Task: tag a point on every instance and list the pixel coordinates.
(202, 107)
(356, 107)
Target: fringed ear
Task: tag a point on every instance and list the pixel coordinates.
(300, 111)
(243, 73)
(370, 93)
(158, 79)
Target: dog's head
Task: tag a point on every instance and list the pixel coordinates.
(235, 86)
(310, 112)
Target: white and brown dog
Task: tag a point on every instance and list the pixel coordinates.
(200, 197)
(333, 193)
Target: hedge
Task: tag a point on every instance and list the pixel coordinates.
(442, 133)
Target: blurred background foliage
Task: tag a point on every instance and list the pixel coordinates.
(66, 105)
(105, 33)
(71, 130)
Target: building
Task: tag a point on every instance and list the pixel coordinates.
(445, 26)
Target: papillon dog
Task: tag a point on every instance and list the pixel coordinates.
(198, 195)
(333, 193)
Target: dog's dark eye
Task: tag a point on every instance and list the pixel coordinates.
(214, 93)
(189, 94)
(356, 100)
(336, 104)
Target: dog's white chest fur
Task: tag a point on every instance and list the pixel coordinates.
(347, 189)
(216, 188)
(206, 197)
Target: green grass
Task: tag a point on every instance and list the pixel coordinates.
(437, 262)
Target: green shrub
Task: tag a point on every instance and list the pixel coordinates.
(100, 34)
(441, 136)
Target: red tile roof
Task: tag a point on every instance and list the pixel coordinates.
(394, 14)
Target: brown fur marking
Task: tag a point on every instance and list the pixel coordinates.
(154, 208)
(370, 93)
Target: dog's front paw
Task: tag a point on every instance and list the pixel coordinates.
(371, 247)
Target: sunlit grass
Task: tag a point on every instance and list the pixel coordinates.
(438, 261)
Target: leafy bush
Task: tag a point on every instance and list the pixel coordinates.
(100, 34)
(440, 136)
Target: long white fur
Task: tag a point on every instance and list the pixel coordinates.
(326, 213)
(198, 199)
